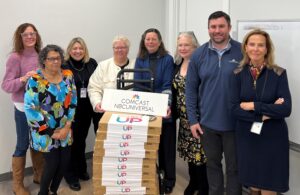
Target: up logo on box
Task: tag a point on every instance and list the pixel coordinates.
(129, 119)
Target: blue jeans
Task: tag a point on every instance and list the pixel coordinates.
(22, 130)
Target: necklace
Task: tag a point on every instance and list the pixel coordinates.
(73, 66)
(255, 72)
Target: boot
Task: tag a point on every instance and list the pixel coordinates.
(192, 187)
(202, 186)
(18, 166)
(37, 165)
(252, 192)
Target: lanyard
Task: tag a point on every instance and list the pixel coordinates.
(264, 86)
(78, 73)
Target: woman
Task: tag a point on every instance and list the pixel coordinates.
(105, 76)
(189, 148)
(153, 55)
(50, 101)
(21, 64)
(261, 100)
(78, 61)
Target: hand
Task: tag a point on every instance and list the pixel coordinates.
(247, 106)
(56, 135)
(264, 118)
(168, 113)
(24, 79)
(27, 76)
(196, 130)
(60, 134)
(279, 101)
(30, 73)
(98, 108)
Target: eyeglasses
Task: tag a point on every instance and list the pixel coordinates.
(26, 35)
(120, 48)
(58, 59)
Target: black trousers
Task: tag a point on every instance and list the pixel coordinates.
(167, 153)
(56, 162)
(198, 179)
(217, 143)
(80, 127)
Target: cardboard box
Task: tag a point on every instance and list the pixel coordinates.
(152, 154)
(125, 144)
(146, 171)
(124, 182)
(101, 190)
(128, 156)
(126, 137)
(154, 126)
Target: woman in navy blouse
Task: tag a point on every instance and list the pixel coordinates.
(260, 102)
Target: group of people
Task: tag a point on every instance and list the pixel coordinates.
(230, 99)
(237, 99)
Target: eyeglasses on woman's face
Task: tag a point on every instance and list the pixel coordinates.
(28, 34)
(53, 59)
(120, 48)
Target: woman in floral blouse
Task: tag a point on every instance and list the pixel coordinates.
(189, 148)
(50, 101)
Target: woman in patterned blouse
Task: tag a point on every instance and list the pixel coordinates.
(50, 101)
(189, 148)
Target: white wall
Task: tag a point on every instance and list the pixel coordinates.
(194, 14)
(97, 21)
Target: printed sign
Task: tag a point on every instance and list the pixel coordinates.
(135, 102)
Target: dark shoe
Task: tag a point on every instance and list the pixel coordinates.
(168, 190)
(75, 186)
(189, 190)
(85, 176)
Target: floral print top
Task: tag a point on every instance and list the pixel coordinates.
(188, 147)
(48, 106)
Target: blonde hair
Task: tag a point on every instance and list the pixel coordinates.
(269, 57)
(195, 44)
(79, 40)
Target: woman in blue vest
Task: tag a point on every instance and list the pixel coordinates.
(153, 55)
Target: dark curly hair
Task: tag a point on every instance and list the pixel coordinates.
(44, 53)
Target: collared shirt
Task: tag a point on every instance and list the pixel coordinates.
(220, 51)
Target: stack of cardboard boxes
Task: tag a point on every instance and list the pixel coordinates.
(125, 155)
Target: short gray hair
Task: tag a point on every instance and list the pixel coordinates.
(44, 52)
(121, 38)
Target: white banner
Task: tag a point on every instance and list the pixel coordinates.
(135, 102)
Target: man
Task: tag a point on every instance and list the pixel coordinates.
(207, 101)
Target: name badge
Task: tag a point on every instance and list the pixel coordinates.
(83, 92)
(256, 127)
